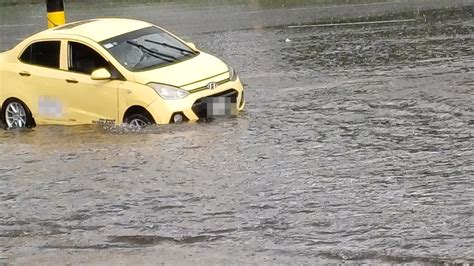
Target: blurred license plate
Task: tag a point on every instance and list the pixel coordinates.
(221, 106)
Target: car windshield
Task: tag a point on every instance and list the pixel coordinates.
(147, 48)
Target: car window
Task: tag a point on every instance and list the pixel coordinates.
(44, 54)
(83, 59)
(147, 48)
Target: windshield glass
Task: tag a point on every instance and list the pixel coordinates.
(147, 48)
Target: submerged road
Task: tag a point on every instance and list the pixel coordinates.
(356, 146)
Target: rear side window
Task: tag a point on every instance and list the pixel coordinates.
(44, 54)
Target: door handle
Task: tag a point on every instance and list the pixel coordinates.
(71, 81)
(24, 74)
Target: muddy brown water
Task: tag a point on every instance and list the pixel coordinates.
(356, 145)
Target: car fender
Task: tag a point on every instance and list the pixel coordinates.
(134, 94)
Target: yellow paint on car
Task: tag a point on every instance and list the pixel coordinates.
(61, 96)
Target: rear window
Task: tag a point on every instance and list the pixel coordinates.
(45, 54)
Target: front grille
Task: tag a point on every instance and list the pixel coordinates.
(200, 106)
(224, 81)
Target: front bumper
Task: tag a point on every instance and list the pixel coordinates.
(193, 107)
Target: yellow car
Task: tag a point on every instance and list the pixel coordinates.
(123, 70)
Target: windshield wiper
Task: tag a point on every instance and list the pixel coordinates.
(156, 54)
(171, 46)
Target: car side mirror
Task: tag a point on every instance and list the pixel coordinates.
(101, 74)
(192, 45)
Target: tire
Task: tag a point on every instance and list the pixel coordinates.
(15, 115)
(138, 120)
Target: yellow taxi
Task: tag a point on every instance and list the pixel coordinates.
(120, 70)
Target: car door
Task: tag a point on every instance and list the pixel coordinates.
(40, 81)
(89, 100)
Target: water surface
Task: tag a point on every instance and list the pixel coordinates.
(356, 145)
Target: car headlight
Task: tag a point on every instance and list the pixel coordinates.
(168, 92)
(232, 74)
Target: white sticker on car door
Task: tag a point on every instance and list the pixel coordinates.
(50, 107)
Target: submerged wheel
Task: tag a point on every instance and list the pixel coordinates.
(16, 115)
(138, 120)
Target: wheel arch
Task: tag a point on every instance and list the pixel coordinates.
(137, 109)
(28, 110)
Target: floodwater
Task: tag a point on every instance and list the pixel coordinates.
(356, 146)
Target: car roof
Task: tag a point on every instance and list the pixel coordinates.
(96, 29)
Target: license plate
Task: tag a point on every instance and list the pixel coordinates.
(221, 106)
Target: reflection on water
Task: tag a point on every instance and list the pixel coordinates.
(356, 146)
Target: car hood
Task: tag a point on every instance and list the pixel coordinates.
(198, 68)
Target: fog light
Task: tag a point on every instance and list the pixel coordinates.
(178, 118)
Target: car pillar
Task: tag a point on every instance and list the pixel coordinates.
(56, 14)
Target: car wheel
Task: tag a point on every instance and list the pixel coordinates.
(16, 115)
(138, 120)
